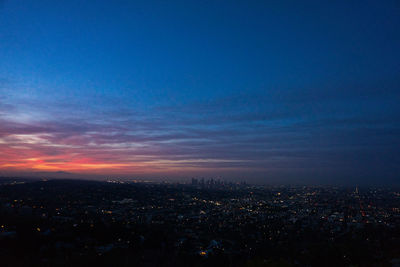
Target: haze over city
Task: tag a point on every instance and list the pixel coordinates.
(265, 92)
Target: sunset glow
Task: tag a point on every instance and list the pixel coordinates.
(247, 91)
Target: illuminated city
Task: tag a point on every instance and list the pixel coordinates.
(199, 133)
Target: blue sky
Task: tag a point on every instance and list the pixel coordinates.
(282, 92)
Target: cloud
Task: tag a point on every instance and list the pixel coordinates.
(251, 135)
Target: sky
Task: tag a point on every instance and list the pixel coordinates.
(262, 91)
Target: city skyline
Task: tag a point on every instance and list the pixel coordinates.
(268, 93)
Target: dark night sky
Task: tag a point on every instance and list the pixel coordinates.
(267, 91)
